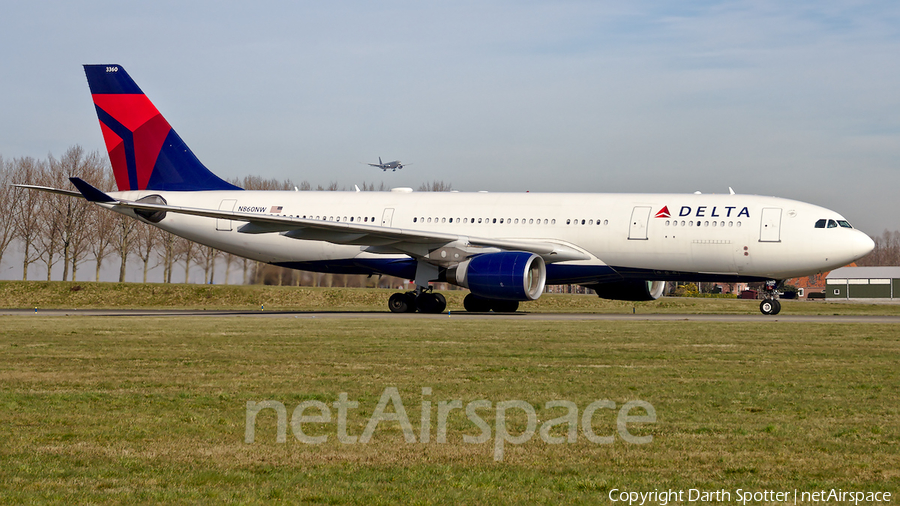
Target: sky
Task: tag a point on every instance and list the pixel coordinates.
(794, 99)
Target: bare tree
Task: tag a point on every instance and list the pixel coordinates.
(185, 250)
(435, 186)
(26, 211)
(101, 238)
(103, 226)
(886, 252)
(370, 187)
(166, 253)
(50, 224)
(7, 202)
(229, 260)
(145, 242)
(80, 244)
(123, 241)
(65, 215)
(245, 265)
(206, 256)
(258, 183)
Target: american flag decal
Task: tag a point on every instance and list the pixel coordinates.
(275, 209)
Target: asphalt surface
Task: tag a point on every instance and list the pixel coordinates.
(521, 316)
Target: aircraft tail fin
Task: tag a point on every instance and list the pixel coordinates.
(145, 152)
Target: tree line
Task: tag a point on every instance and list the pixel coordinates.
(886, 252)
(55, 231)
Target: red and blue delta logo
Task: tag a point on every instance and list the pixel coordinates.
(706, 212)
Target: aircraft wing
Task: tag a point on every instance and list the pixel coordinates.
(416, 243)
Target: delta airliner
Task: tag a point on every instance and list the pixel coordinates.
(503, 247)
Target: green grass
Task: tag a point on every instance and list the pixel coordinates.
(137, 409)
(70, 295)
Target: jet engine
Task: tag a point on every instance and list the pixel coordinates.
(634, 290)
(152, 216)
(508, 275)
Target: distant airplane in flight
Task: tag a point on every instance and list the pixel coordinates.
(503, 247)
(388, 166)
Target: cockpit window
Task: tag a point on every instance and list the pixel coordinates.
(833, 224)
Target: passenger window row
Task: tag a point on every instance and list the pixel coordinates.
(508, 221)
(422, 219)
(359, 219)
(699, 223)
(586, 222)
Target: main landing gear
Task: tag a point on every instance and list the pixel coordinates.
(770, 305)
(424, 302)
(427, 301)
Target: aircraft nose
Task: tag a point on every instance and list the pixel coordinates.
(861, 244)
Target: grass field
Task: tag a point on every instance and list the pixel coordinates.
(45, 295)
(154, 409)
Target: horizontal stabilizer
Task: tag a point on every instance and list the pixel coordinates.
(90, 193)
(48, 189)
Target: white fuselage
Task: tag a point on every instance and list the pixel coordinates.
(727, 236)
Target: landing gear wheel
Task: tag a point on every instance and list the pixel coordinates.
(770, 307)
(399, 303)
(402, 302)
(476, 304)
(431, 303)
(770, 304)
(504, 306)
(410, 302)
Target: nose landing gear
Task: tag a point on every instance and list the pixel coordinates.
(770, 305)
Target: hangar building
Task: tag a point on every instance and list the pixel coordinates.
(863, 283)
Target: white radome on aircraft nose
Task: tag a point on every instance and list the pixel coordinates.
(869, 244)
(862, 244)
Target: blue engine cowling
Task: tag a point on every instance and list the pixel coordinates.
(632, 290)
(512, 275)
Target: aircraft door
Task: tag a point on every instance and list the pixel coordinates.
(387, 217)
(640, 217)
(225, 205)
(770, 225)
